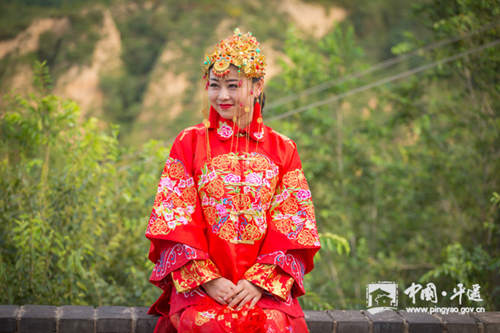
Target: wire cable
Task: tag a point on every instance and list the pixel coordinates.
(379, 66)
(383, 81)
(354, 91)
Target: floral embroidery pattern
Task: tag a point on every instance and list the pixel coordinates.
(203, 317)
(292, 209)
(224, 130)
(259, 135)
(230, 185)
(175, 199)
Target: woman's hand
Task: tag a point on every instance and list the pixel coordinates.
(218, 289)
(244, 292)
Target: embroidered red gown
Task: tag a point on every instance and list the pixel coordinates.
(244, 213)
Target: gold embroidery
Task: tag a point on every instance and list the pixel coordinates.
(177, 170)
(251, 242)
(216, 188)
(204, 317)
(287, 139)
(200, 319)
(259, 273)
(186, 131)
(195, 273)
(306, 238)
(228, 232)
(247, 184)
(241, 158)
(190, 195)
(243, 212)
(267, 276)
(242, 184)
(221, 162)
(252, 271)
(265, 194)
(260, 164)
(277, 317)
(292, 178)
(290, 206)
(276, 285)
(284, 226)
(289, 284)
(242, 201)
(210, 213)
(251, 232)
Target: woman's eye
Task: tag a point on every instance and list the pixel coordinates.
(213, 85)
(233, 86)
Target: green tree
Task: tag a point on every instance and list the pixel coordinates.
(457, 115)
(405, 172)
(74, 206)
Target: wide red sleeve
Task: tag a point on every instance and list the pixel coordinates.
(292, 239)
(176, 214)
(271, 278)
(176, 227)
(289, 264)
(194, 274)
(172, 257)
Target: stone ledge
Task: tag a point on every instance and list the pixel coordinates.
(120, 319)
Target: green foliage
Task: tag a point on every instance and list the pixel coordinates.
(495, 199)
(75, 45)
(74, 206)
(17, 15)
(186, 30)
(405, 174)
(314, 133)
(404, 178)
(456, 118)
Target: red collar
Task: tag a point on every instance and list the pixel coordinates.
(226, 128)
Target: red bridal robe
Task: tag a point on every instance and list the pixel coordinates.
(245, 213)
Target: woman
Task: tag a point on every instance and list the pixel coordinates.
(232, 229)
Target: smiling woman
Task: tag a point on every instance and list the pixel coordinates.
(232, 229)
(233, 96)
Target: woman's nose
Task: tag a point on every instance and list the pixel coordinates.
(224, 94)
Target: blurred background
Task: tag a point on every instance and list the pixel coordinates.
(394, 106)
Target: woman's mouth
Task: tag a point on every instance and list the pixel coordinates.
(225, 106)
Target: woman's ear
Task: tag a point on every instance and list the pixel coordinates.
(257, 87)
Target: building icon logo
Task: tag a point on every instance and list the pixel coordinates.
(381, 296)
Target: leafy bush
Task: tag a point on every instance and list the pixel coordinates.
(405, 173)
(74, 206)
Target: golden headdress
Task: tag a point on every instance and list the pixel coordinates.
(240, 50)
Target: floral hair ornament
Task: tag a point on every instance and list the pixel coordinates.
(241, 50)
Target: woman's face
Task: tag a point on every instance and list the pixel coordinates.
(226, 95)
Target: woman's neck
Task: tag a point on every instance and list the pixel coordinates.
(245, 120)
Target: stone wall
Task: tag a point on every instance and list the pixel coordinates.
(120, 319)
